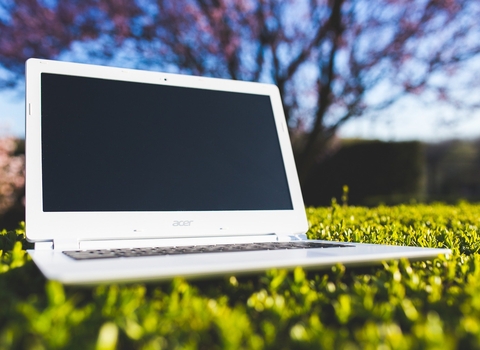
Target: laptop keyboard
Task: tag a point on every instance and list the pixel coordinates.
(196, 249)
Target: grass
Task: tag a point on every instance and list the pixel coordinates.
(398, 305)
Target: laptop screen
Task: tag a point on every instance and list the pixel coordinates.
(112, 145)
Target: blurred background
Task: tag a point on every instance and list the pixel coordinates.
(383, 96)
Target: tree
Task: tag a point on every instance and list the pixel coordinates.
(12, 182)
(332, 60)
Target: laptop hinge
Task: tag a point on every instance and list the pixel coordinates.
(46, 245)
(66, 244)
(164, 242)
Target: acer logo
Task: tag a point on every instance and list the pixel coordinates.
(182, 222)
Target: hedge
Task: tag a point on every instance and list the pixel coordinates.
(398, 305)
(376, 172)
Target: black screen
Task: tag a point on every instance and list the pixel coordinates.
(123, 146)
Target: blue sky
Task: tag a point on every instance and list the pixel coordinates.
(410, 119)
(12, 114)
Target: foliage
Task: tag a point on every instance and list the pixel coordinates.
(452, 170)
(12, 172)
(12, 181)
(376, 172)
(331, 59)
(400, 305)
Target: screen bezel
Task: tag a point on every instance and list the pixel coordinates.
(137, 225)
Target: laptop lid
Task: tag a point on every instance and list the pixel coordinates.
(117, 153)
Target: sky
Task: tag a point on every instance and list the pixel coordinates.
(410, 119)
(12, 114)
(407, 120)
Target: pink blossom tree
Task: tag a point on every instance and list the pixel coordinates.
(333, 60)
(12, 177)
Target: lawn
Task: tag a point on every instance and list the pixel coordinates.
(397, 305)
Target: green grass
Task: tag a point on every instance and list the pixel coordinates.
(397, 305)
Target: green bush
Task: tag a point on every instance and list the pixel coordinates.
(452, 170)
(376, 172)
(398, 305)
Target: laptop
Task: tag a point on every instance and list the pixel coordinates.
(134, 176)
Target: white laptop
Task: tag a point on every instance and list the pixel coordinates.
(134, 176)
